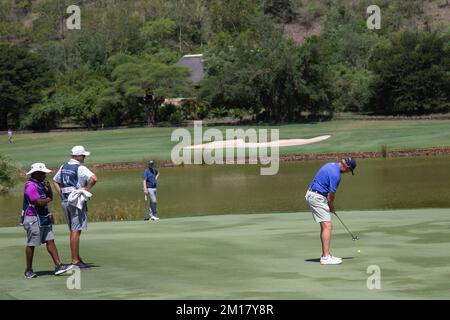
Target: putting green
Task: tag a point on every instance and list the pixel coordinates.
(257, 256)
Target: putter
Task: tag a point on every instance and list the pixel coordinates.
(354, 238)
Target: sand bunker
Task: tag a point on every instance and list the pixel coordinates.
(240, 143)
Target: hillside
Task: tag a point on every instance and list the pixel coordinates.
(309, 16)
(121, 65)
(297, 19)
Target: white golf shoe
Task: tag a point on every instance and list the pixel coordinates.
(154, 218)
(330, 260)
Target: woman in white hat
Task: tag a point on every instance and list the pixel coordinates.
(37, 219)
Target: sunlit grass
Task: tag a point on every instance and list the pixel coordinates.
(139, 144)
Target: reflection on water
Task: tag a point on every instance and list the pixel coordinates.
(197, 190)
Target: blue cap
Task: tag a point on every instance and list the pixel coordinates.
(150, 162)
(351, 163)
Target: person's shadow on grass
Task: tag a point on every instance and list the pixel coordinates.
(318, 259)
(52, 272)
(45, 273)
(90, 265)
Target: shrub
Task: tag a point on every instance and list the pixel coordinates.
(411, 74)
(8, 171)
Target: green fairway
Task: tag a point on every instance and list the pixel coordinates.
(257, 256)
(134, 145)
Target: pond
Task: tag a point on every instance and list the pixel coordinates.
(398, 183)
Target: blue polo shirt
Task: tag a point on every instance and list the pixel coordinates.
(150, 177)
(327, 179)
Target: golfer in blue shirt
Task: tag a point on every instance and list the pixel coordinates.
(151, 176)
(320, 197)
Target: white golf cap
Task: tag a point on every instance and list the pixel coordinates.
(79, 151)
(38, 167)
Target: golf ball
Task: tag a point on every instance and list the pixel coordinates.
(359, 251)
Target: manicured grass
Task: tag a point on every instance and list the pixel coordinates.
(257, 256)
(135, 145)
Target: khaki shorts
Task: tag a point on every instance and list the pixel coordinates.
(76, 219)
(319, 206)
(36, 234)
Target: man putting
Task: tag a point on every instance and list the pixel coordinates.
(151, 176)
(37, 219)
(320, 197)
(72, 180)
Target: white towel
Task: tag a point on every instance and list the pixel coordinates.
(77, 198)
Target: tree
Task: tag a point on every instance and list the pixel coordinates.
(47, 114)
(315, 91)
(81, 48)
(185, 25)
(151, 103)
(142, 83)
(415, 77)
(11, 29)
(281, 10)
(231, 15)
(119, 22)
(158, 34)
(267, 75)
(8, 172)
(50, 23)
(86, 108)
(75, 95)
(231, 62)
(352, 87)
(23, 75)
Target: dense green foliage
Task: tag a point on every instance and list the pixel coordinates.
(273, 78)
(22, 77)
(122, 63)
(8, 171)
(416, 77)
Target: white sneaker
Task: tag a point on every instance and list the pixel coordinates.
(154, 218)
(330, 260)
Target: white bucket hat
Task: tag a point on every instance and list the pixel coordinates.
(79, 151)
(38, 167)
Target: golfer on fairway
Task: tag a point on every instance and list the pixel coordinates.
(151, 176)
(37, 219)
(320, 197)
(10, 136)
(74, 178)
